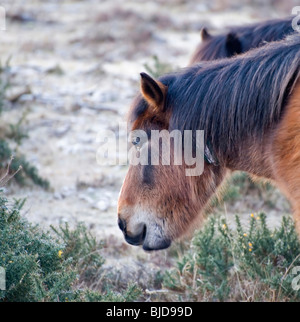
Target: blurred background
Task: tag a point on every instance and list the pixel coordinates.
(69, 69)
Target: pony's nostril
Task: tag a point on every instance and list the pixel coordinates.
(122, 224)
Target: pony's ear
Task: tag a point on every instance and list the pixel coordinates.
(233, 44)
(154, 92)
(204, 34)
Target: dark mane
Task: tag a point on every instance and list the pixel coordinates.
(235, 99)
(251, 36)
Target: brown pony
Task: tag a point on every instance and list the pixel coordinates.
(241, 39)
(249, 110)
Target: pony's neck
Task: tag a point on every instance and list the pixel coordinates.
(208, 184)
(254, 157)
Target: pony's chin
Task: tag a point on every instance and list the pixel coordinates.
(156, 245)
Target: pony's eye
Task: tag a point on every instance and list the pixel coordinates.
(136, 140)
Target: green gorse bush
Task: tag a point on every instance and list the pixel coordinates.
(82, 248)
(45, 267)
(238, 264)
(31, 258)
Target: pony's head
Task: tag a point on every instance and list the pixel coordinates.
(216, 47)
(159, 202)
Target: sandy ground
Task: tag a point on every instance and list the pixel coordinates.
(81, 61)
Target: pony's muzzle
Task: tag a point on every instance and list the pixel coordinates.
(133, 240)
